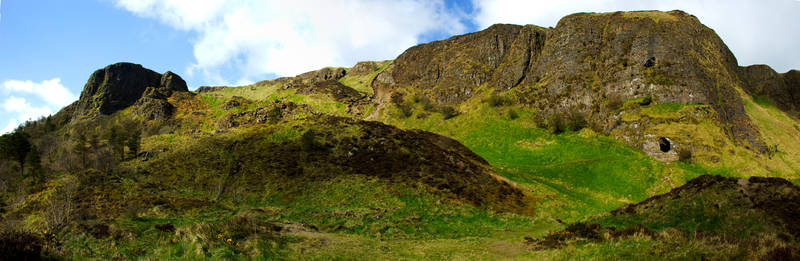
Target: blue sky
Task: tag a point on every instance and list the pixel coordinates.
(49, 48)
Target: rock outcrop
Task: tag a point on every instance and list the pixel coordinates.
(783, 89)
(579, 65)
(121, 85)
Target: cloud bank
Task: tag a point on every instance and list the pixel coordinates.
(28, 100)
(254, 38)
(757, 32)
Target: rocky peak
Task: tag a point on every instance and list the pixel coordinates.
(121, 85)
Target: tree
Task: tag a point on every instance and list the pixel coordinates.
(15, 146)
(116, 139)
(34, 162)
(134, 141)
(81, 148)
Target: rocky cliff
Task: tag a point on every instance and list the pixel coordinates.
(783, 89)
(121, 85)
(589, 63)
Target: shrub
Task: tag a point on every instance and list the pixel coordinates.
(555, 123)
(62, 204)
(406, 109)
(427, 104)
(576, 121)
(771, 150)
(540, 121)
(308, 141)
(17, 245)
(496, 100)
(512, 114)
(397, 98)
(685, 155)
(645, 101)
(274, 114)
(448, 112)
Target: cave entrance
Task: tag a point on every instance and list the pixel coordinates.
(664, 145)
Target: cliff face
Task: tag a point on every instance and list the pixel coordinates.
(781, 88)
(583, 64)
(122, 85)
(452, 69)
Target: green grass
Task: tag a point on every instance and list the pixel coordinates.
(361, 83)
(576, 174)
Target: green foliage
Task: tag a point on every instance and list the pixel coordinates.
(555, 123)
(134, 142)
(496, 100)
(308, 141)
(448, 112)
(274, 114)
(576, 121)
(406, 109)
(15, 146)
(34, 162)
(512, 114)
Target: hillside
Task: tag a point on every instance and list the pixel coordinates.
(515, 142)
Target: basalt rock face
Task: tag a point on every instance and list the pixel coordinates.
(580, 64)
(121, 85)
(449, 71)
(115, 87)
(782, 88)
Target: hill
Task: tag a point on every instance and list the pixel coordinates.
(515, 142)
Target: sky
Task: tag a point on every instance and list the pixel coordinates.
(48, 48)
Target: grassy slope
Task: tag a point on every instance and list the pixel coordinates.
(575, 175)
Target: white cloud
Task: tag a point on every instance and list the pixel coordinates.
(764, 32)
(22, 111)
(254, 38)
(50, 90)
(47, 96)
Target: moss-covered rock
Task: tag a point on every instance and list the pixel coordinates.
(120, 85)
(588, 57)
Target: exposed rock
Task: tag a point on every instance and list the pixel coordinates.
(114, 88)
(265, 114)
(782, 89)
(210, 88)
(451, 69)
(235, 102)
(323, 74)
(576, 66)
(363, 68)
(338, 91)
(152, 108)
(121, 85)
(171, 82)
